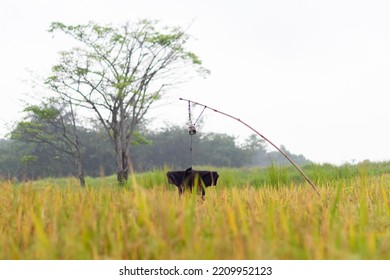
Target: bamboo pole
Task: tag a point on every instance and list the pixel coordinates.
(265, 138)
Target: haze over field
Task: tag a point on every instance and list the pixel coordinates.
(310, 75)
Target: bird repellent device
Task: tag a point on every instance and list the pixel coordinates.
(192, 131)
(189, 179)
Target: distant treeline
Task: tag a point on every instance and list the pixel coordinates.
(151, 149)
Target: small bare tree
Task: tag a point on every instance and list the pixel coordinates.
(118, 72)
(54, 123)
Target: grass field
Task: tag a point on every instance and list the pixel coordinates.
(251, 214)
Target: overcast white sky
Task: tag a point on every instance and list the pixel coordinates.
(313, 76)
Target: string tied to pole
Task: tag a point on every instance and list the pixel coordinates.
(192, 127)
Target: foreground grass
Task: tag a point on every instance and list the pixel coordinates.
(47, 221)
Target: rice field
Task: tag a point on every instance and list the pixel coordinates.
(275, 218)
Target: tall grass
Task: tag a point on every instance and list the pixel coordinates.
(277, 175)
(53, 219)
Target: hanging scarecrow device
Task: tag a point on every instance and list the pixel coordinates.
(188, 178)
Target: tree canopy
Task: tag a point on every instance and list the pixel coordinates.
(118, 72)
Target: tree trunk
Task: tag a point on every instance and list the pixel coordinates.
(122, 147)
(125, 159)
(82, 179)
(120, 172)
(122, 167)
(122, 161)
(80, 171)
(120, 177)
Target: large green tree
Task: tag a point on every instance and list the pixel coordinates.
(119, 72)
